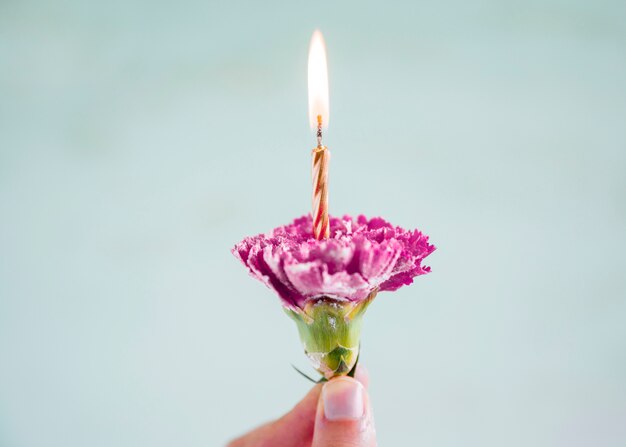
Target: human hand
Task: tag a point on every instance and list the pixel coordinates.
(334, 414)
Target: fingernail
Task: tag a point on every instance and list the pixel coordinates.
(343, 399)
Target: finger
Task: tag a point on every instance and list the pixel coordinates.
(344, 416)
(294, 429)
(362, 375)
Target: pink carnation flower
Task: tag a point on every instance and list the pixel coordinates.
(359, 257)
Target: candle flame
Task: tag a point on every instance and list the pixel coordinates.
(318, 81)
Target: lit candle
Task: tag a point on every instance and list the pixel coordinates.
(318, 118)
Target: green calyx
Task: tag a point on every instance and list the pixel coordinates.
(330, 331)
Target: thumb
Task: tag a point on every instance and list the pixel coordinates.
(293, 429)
(344, 416)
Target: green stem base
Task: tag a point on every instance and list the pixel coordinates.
(330, 331)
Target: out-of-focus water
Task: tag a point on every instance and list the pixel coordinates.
(139, 141)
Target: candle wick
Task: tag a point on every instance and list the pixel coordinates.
(319, 131)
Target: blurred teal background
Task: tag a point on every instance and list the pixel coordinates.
(140, 140)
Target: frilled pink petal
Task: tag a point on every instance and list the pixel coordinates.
(360, 256)
(377, 261)
(313, 279)
(275, 260)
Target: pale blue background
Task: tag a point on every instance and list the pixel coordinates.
(140, 140)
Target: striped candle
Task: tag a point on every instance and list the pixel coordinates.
(321, 225)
